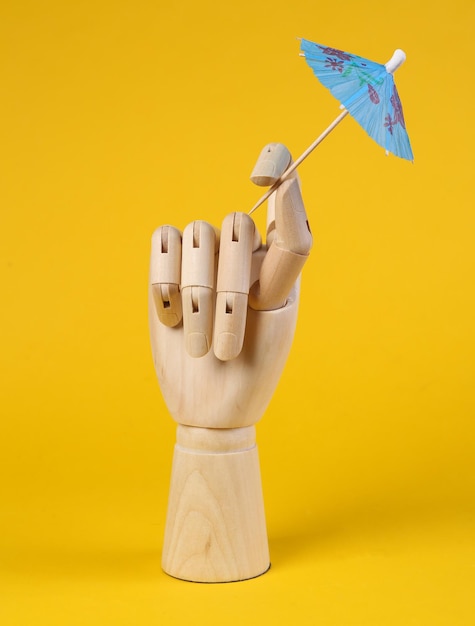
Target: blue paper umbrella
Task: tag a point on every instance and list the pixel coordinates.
(366, 90)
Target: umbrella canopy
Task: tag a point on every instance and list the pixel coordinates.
(367, 90)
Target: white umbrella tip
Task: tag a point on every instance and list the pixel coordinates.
(395, 61)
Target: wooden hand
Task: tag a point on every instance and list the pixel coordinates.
(223, 309)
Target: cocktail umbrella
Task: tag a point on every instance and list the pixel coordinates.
(366, 90)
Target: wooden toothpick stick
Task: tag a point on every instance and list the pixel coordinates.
(296, 163)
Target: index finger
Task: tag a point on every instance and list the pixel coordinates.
(288, 234)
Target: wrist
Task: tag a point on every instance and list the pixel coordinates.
(215, 440)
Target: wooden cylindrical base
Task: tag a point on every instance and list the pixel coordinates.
(215, 529)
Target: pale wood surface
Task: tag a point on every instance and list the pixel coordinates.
(216, 529)
(233, 283)
(273, 160)
(198, 277)
(218, 361)
(288, 172)
(212, 393)
(165, 275)
(288, 251)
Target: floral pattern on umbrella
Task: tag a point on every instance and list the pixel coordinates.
(367, 90)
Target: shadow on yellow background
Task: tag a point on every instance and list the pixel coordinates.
(119, 117)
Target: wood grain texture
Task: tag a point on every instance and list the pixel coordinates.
(218, 361)
(216, 530)
(211, 393)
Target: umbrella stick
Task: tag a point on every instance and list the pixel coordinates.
(296, 163)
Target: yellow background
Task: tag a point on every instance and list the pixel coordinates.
(120, 116)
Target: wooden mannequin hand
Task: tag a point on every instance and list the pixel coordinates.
(223, 307)
(222, 312)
